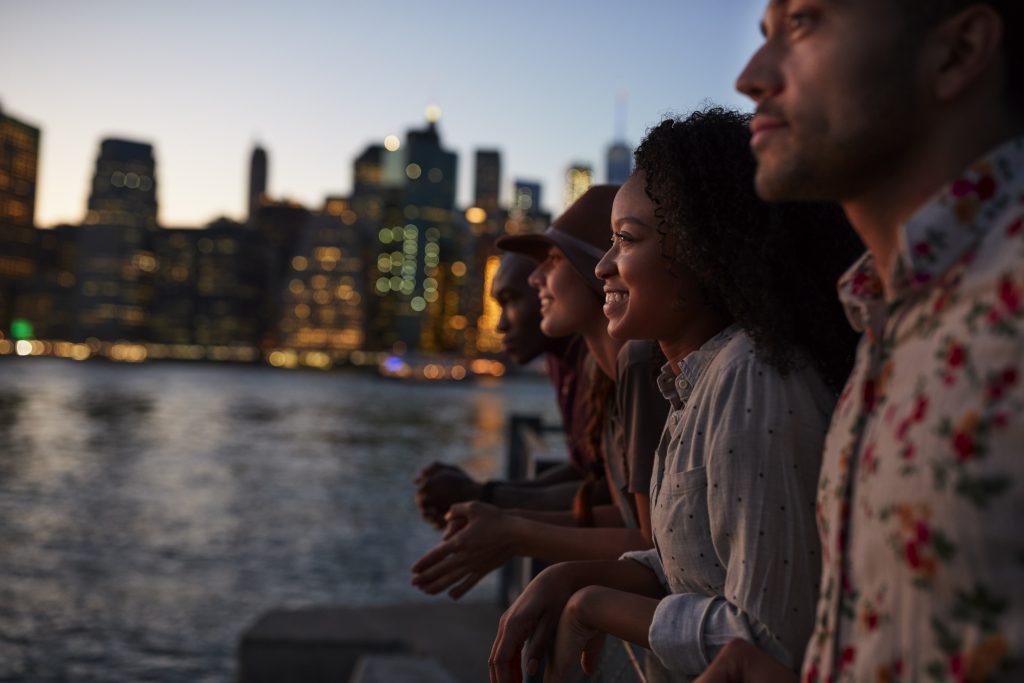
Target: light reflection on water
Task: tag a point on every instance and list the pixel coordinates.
(148, 514)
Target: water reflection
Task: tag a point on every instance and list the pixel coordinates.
(148, 514)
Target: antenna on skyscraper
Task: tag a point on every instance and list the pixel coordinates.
(621, 101)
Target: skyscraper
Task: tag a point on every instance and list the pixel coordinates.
(124, 186)
(619, 163)
(257, 180)
(19, 156)
(418, 274)
(524, 211)
(321, 318)
(578, 180)
(487, 180)
(116, 265)
(619, 157)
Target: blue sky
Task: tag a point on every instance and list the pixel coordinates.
(316, 82)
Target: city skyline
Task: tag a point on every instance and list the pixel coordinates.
(315, 84)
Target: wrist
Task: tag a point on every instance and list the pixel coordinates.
(584, 606)
(485, 491)
(517, 530)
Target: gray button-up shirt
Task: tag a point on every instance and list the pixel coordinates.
(732, 505)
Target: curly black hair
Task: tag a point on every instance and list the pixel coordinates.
(772, 268)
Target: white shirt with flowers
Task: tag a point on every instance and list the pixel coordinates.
(921, 495)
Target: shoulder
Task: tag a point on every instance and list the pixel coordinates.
(738, 378)
(638, 356)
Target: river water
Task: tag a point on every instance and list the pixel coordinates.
(149, 514)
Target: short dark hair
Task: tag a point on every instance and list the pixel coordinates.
(772, 268)
(927, 13)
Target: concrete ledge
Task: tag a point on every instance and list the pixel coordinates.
(321, 644)
(400, 669)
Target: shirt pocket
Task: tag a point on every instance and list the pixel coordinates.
(683, 528)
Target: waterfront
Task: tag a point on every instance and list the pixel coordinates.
(148, 514)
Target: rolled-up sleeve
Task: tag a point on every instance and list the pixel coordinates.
(649, 559)
(689, 629)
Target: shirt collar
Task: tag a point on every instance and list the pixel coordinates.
(940, 233)
(677, 388)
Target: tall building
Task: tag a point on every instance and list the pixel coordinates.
(578, 179)
(619, 163)
(19, 159)
(524, 211)
(417, 274)
(257, 180)
(211, 288)
(116, 266)
(322, 315)
(124, 186)
(619, 157)
(487, 180)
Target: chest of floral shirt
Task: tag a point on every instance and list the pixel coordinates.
(921, 495)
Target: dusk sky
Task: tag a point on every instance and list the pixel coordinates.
(316, 81)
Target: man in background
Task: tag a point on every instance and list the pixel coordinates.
(441, 485)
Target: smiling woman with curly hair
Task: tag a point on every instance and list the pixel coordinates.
(740, 295)
(771, 269)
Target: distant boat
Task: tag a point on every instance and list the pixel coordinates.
(438, 368)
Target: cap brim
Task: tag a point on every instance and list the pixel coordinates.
(534, 245)
(537, 246)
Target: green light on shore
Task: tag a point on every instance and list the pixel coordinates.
(22, 329)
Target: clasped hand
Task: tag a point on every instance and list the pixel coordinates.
(478, 539)
(438, 487)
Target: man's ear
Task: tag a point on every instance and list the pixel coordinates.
(965, 49)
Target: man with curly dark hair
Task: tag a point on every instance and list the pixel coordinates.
(910, 113)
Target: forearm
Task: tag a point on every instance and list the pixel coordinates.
(604, 516)
(623, 575)
(556, 474)
(555, 543)
(554, 497)
(624, 615)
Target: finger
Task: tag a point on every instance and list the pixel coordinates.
(566, 651)
(444, 567)
(506, 652)
(432, 557)
(425, 473)
(465, 585)
(505, 672)
(444, 574)
(464, 509)
(433, 468)
(453, 527)
(592, 654)
(535, 649)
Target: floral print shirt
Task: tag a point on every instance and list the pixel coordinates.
(921, 496)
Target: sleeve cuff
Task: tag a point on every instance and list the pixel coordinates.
(651, 560)
(676, 632)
